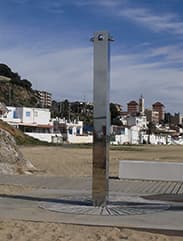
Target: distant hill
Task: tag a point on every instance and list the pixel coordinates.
(16, 91)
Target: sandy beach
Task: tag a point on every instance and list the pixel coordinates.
(68, 161)
(31, 231)
(65, 161)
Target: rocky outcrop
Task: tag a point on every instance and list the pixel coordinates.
(11, 159)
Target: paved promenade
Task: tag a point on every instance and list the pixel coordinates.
(137, 204)
(137, 187)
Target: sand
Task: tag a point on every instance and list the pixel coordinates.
(31, 231)
(78, 162)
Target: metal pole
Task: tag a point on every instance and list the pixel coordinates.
(101, 133)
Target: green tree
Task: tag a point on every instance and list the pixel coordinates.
(115, 114)
(65, 112)
(151, 128)
(5, 71)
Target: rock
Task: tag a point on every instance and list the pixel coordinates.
(11, 159)
(9, 236)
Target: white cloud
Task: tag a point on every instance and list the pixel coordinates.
(68, 74)
(58, 6)
(20, 1)
(132, 76)
(54, 6)
(104, 3)
(62, 72)
(169, 22)
(172, 54)
(156, 22)
(154, 57)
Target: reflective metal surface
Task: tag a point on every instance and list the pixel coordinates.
(101, 118)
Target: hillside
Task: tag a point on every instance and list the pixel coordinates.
(14, 95)
(16, 91)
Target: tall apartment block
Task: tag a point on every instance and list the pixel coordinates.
(132, 107)
(159, 107)
(152, 116)
(45, 98)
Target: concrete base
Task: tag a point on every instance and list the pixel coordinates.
(151, 170)
(118, 205)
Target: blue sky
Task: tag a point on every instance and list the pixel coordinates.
(47, 42)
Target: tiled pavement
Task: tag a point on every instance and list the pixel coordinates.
(139, 187)
(50, 190)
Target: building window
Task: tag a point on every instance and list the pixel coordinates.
(122, 131)
(70, 131)
(78, 131)
(15, 114)
(28, 114)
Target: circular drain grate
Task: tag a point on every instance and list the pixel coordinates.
(112, 210)
(118, 207)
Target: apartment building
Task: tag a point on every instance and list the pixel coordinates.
(45, 98)
(139, 121)
(132, 107)
(152, 116)
(159, 107)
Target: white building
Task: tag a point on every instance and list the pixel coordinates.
(10, 116)
(134, 135)
(123, 120)
(74, 128)
(128, 135)
(72, 131)
(139, 121)
(156, 139)
(35, 122)
(27, 115)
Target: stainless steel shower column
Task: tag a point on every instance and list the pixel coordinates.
(101, 133)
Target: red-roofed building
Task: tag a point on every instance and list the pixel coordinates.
(159, 107)
(133, 107)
